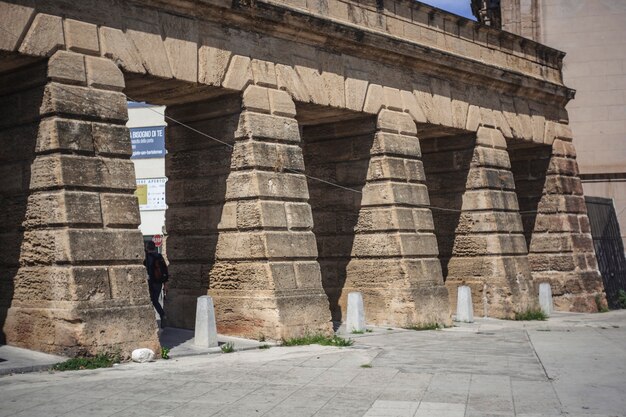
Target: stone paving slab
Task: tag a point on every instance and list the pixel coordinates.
(16, 360)
(571, 365)
(180, 342)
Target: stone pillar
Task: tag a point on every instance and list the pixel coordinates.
(74, 252)
(561, 247)
(489, 252)
(265, 280)
(394, 256)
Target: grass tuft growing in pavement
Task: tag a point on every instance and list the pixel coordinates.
(101, 360)
(228, 347)
(601, 304)
(621, 298)
(318, 339)
(425, 326)
(531, 314)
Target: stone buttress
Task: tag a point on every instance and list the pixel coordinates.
(557, 229)
(394, 256)
(489, 252)
(72, 252)
(262, 272)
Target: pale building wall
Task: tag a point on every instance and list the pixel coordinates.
(593, 34)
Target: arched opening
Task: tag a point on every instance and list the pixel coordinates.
(201, 124)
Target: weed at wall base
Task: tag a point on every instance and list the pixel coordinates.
(621, 298)
(530, 315)
(362, 331)
(425, 326)
(318, 339)
(600, 304)
(228, 347)
(101, 360)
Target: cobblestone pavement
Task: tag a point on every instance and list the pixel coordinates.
(572, 365)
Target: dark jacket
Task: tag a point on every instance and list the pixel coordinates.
(149, 262)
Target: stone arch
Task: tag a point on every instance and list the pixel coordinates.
(162, 45)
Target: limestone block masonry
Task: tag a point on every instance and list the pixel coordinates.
(489, 253)
(75, 270)
(314, 148)
(394, 255)
(556, 225)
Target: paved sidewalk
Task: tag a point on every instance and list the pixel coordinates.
(180, 343)
(572, 365)
(16, 360)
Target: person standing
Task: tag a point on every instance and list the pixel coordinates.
(157, 277)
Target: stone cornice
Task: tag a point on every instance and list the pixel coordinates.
(282, 19)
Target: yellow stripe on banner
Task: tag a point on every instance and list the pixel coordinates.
(142, 194)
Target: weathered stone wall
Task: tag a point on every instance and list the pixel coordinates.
(241, 222)
(418, 22)
(483, 245)
(396, 238)
(72, 253)
(591, 33)
(445, 71)
(18, 136)
(377, 236)
(263, 272)
(556, 225)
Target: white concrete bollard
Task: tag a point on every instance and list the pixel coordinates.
(464, 307)
(206, 330)
(355, 317)
(545, 298)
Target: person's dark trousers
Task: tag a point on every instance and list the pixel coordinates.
(155, 293)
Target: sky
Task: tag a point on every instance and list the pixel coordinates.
(460, 7)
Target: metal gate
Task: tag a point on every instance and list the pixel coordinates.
(609, 247)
